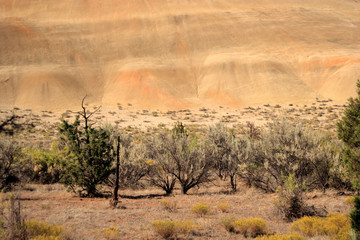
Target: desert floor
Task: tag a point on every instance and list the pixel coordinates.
(85, 218)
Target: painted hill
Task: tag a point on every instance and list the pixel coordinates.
(175, 54)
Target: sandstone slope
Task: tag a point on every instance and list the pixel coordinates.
(173, 54)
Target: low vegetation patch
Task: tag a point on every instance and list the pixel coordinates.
(290, 201)
(168, 205)
(168, 228)
(251, 227)
(350, 200)
(37, 229)
(14, 226)
(223, 206)
(111, 233)
(201, 209)
(291, 236)
(335, 225)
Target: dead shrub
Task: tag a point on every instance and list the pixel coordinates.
(12, 224)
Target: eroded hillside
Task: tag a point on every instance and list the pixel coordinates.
(176, 54)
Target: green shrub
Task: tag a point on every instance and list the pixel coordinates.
(90, 163)
(47, 165)
(348, 129)
(355, 217)
(201, 209)
(290, 202)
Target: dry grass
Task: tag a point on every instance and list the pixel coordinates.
(87, 218)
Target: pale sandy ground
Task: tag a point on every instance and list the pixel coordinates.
(163, 54)
(320, 114)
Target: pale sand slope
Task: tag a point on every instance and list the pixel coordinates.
(172, 54)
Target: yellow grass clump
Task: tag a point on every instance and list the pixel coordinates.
(335, 225)
(251, 227)
(47, 238)
(165, 228)
(223, 206)
(111, 233)
(291, 236)
(228, 223)
(201, 209)
(41, 229)
(168, 228)
(350, 200)
(168, 205)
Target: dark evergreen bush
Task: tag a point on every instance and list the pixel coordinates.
(355, 217)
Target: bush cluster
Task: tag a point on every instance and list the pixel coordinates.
(47, 165)
(84, 157)
(84, 160)
(262, 158)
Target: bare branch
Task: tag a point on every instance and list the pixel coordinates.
(94, 111)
